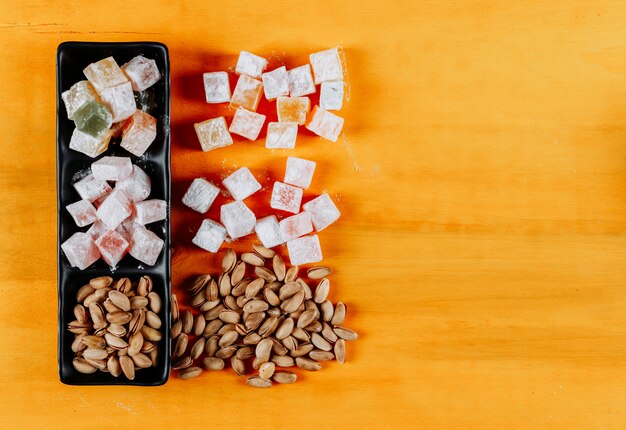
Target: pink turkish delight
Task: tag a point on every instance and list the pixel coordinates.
(80, 250)
(323, 211)
(304, 250)
(90, 188)
(286, 197)
(83, 212)
(149, 211)
(247, 124)
(111, 168)
(114, 209)
(145, 246)
(295, 226)
(142, 72)
(325, 124)
(299, 172)
(112, 246)
(136, 186)
(139, 132)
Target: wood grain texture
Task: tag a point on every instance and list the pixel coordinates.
(482, 181)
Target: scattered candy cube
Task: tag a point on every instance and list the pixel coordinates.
(114, 209)
(200, 195)
(93, 118)
(238, 219)
(89, 145)
(276, 83)
(286, 197)
(216, 87)
(213, 133)
(104, 74)
(268, 231)
(323, 211)
(241, 183)
(295, 226)
(250, 64)
(299, 172)
(120, 100)
(325, 124)
(142, 72)
(247, 124)
(281, 135)
(139, 132)
(304, 250)
(83, 212)
(327, 66)
(136, 186)
(293, 109)
(247, 93)
(112, 246)
(331, 95)
(90, 188)
(111, 168)
(80, 250)
(301, 81)
(150, 211)
(80, 93)
(145, 246)
(210, 236)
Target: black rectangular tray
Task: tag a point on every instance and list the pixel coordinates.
(72, 58)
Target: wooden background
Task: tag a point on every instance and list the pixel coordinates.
(482, 180)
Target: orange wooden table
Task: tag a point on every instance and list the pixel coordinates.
(482, 181)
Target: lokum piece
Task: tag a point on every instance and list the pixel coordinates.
(213, 133)
(268, 231)
(111, 168)
(80, 93)
(83, 212)
(250, 64)
(301, 81)
(325, 124)
(138, 133)
(276, 83)
(89, 145)
(210, 236)
(136, 186)
(293, 109)
(238, 219)
(112, 246)
(304, 250)
(281, 135)
(241, 183)
(114, 209)
(200, 195)
(247, 93)
(145, 246)
(120, 100)
(104, 74)
(247, 124)
(323, 211)
(295, 226)
(93, 118)
(80, 250)
(149, 211)
(326, 66)
(142, 72)
(286, 197)
(90, 188)
(216, 87)
(299, 172)
(331, 95)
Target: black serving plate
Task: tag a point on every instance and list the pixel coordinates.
(72, 58)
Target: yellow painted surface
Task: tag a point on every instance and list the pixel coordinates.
(482, 181)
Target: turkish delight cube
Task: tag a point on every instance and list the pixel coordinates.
(80, 93)
(323, 211)
(268, 231)
(210, 236)
(299, 172)
(295, 226)
(112, 246)
(200, 195)
(93, 118)
(304, 250)
(97, 229)
(136, 186)
(149, 211)
(83, 212)
(90, 188)
(241, 183)
(301, 81)
(293, 109)
(286, 197)
(281, 135)
(325, 124)
(213, 133)
(247, 93)
(145, 246)
(104, 74)
(250, 64)
(247, 124)
(238, 219)
(89, 145)
(111, 168)
(114, 209)
(216, 87)
(331, 95)
(276, 83)
(80, 250)
(326, 66)
(139, 132)
(120, 100)
(142, 72)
